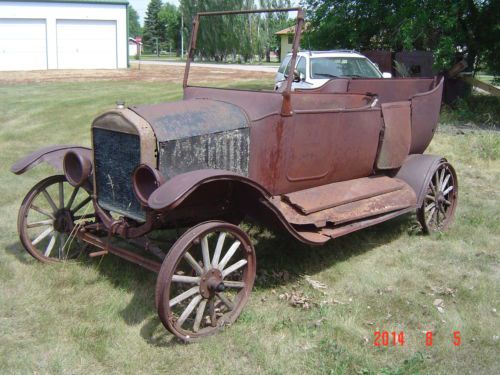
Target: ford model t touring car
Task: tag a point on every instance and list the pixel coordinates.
(317, 164)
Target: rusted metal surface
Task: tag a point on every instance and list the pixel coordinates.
(391, 90)
(396, 135)
(342, 230)
(418, 63)
(122, 253)
(339, 193)
(190, 118)
(174, 191)
(417, 171)
(376, 205)
(52, 155)
(316, 163)
(425, 109)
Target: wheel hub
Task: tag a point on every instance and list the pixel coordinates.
(63, 222)
(211, 282)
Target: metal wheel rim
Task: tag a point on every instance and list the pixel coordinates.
(195, 324)
(60, 214)
(438, 208)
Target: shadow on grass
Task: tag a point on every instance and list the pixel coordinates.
(277, 253)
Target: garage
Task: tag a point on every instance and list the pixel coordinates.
(23, 44)
(65, 34)
(78, 43)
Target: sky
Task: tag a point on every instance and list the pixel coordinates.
(142, 5)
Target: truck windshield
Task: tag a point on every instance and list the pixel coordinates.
(328, 67)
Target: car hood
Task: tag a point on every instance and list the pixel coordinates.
(192, 117)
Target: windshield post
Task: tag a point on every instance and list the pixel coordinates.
(286, 108)
(192, 46)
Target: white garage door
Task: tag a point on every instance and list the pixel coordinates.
(83, 44)
(23, 44)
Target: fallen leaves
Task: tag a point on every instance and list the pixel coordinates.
(315, 284)
(297, 299)
(439, 304)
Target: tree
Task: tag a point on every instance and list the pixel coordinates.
(448, 27)
(170, 18)
(134, 28)
(153, 27)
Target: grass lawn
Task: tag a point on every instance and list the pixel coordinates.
(97, 316)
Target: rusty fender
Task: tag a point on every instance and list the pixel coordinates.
(417, 171)
(173, 192)
(52, 155)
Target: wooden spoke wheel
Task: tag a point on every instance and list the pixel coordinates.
(438, 208)
(48, 216)
(205, 280)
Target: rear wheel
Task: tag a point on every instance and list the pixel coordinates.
(438, 208)
(205, 280)
(48, 216)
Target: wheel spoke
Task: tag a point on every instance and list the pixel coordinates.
(447, 202)
(62, 243)
(211, 311)
(86, 216)
(234, 267)
(42, 211)
(193, 263)
(228, 255)
(189, 309)
(448, 190)
(430, 206)
(181, 297)
(72, 197)
(186, 279)
(205, 253)
(234, 284)
(431, 213)
(42, 235)
(49, 199)
(441, 178)
(225, 301)
(430, 197)
(42, 223)
(199, 315)
(445, 182)
(50, 246)
(61, 195)
(81, 204)
(218, 248)
(433, 188)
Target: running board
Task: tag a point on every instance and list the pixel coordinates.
(348, 212)
(320, 236)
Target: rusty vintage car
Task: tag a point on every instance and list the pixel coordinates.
(317, 163)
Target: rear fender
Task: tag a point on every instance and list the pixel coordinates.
(417, 171)
(52, 155)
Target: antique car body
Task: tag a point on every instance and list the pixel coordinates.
(317, 163)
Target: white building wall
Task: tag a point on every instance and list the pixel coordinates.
(52, 12)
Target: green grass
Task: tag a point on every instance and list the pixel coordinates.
(98, 317)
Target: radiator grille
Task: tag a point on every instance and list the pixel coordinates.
(116, 155)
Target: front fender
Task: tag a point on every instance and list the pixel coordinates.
(173, 192)
(52, 155)
(417, 171)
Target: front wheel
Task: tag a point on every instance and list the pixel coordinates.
(438, 208)
(205, 280)
(48, 216)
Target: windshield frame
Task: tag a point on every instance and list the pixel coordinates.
(295, 46)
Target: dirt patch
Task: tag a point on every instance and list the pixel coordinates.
(152, 73)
